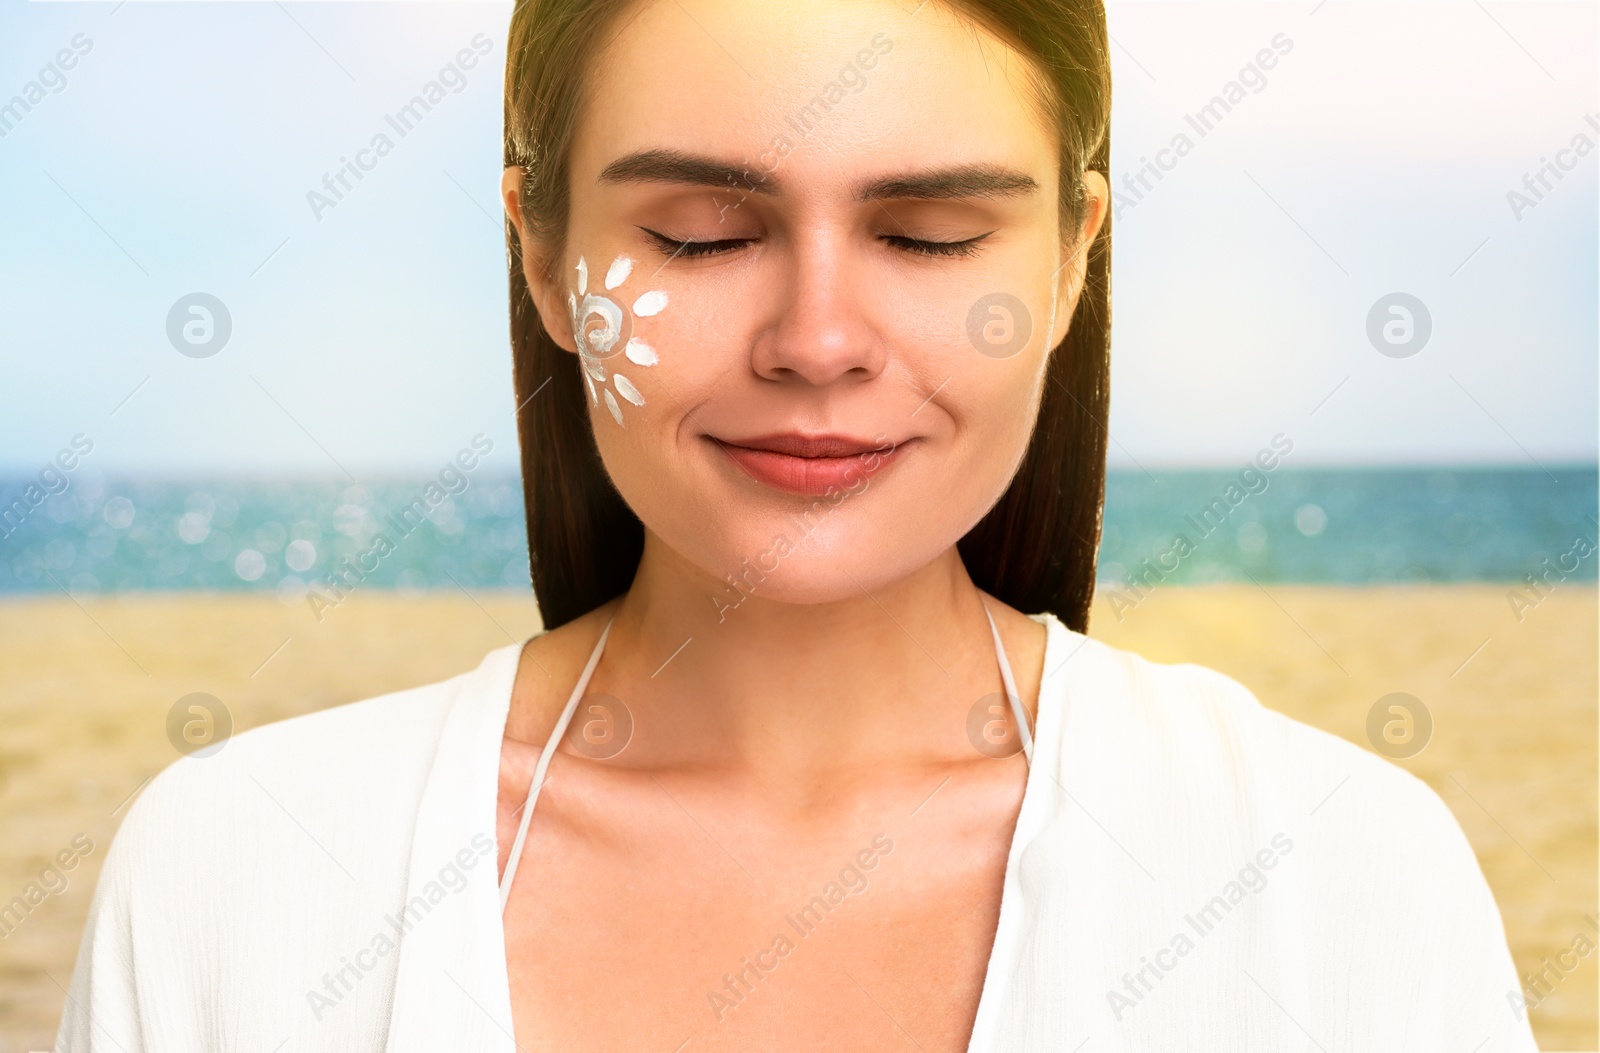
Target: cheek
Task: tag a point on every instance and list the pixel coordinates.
(992, 310)
(664, 366)
(992, 428)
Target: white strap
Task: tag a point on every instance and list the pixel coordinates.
(544, 763)
(1010, 683)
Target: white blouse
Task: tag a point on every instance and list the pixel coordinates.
(1189, 871)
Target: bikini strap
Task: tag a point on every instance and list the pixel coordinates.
(1010, 683)
(544, 763)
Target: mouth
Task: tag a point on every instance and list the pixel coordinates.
(811, 465)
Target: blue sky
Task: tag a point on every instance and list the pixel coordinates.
(1375, 158)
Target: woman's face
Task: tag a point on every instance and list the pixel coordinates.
(838, 374)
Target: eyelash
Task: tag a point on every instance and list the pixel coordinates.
(695, 248)
(969, 247)
(947, 249)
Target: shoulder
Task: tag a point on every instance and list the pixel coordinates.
(295, 834)
(341, 749)
(1183, 791)
(341, 785)
(1190, 729)
(547, 668)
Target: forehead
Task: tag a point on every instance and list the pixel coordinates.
(812, 94)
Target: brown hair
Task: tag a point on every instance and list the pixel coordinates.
(1035, 549)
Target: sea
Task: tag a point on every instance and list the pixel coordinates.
(1343, 526)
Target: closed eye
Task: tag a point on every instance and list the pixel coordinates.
(969, 247)
(673, 248)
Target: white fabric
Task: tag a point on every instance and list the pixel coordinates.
(241, 883)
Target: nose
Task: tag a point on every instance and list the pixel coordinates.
(823, 330)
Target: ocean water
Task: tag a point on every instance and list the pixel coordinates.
(1350, 526)
(1339, 526)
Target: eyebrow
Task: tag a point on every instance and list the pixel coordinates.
(688, 169)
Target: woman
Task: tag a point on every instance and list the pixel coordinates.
(810, 315)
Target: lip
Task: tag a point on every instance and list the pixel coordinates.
(811, 465)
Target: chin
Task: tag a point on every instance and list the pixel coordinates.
(799, 580)
(834, 562)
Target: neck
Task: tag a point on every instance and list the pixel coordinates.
(748, 682)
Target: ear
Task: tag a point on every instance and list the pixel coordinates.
(1075, 268)
(545, 287)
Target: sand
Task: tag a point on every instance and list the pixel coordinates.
(85, 693)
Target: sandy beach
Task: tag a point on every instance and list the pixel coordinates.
(85, 693)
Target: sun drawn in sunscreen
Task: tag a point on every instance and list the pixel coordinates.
(596, 344)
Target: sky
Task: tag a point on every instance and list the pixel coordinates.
(1376, 158)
